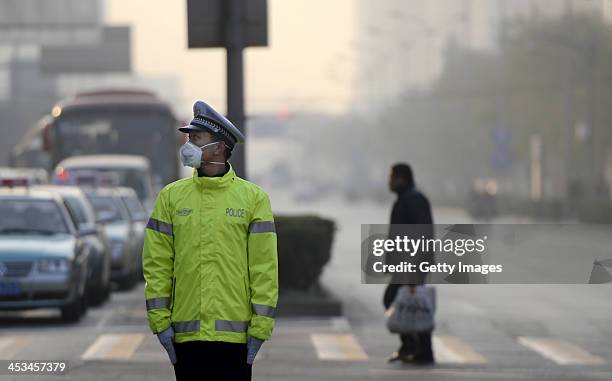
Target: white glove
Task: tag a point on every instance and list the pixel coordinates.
(165, 338)
(253, 345)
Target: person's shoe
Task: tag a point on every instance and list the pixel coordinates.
(393, 357)
(396, 356)
(420, 361)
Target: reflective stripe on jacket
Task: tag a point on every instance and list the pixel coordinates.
(210, 261)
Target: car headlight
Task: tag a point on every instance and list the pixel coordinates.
(116, 249)
(53, 265)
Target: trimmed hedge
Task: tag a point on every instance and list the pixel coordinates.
(595, 211)
(548, 209)
(304, 248)
(545, 209)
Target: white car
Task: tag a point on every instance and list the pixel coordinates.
(22, 176)
(109, 170)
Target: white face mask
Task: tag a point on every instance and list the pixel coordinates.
(191, 155)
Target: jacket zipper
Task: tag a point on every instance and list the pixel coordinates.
(173, 293)
(246, 289)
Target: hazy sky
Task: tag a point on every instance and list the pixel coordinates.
(304, 67)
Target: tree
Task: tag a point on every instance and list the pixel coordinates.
(549, 75)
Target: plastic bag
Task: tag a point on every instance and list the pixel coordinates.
(410, 312)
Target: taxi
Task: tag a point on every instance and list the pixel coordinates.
(43, 258)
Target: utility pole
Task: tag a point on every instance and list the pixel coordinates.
(233, 25)
(591, 72)
(502, 13)
(467, 20)
(235, 79)
(569, 107)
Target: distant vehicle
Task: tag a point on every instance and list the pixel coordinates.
(29, 152)
(114, 121)
(121, 231)
(139, 218)
(482, 201)
(43, 257)
(24, 176)
(119, 170)
(83, 215)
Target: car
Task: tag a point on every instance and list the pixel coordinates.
(121, 170)
(482, 200)
(83, 215)
(139, 218)
(43, 256)
(10, 176)
(121, 231)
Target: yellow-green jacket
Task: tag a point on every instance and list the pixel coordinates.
(210, 262)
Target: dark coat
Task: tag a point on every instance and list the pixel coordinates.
(411, 207)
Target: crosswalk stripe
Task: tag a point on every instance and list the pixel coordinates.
(337, 347)
(449, 373)
(451, 349)
(11, 345)
(113, 347)
(560, 351)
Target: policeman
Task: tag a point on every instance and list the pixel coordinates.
(209, 259)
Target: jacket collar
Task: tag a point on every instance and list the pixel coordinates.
(406, 190)
(216, 182)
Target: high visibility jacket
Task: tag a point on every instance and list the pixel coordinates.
(210, 261)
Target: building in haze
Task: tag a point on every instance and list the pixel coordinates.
(50, 49)
(401, 44)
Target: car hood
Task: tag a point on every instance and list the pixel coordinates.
(30, 247)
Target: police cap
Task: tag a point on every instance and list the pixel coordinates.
(207, 119)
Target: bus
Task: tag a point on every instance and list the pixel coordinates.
(114, 121)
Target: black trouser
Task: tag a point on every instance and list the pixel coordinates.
(211, 360)
(417, 344)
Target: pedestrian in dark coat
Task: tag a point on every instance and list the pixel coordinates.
(411, 207)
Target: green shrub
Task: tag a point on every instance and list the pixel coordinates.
(547, 209)
(595, 211)
(304, 247)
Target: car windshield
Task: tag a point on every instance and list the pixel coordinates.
(106, 208)
(31, 217)
(134, 207)
(76, 209)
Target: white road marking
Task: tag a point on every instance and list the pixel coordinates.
(337, 347)
(113, 347)
(11, 345)
(452, 349)
(560, 351)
